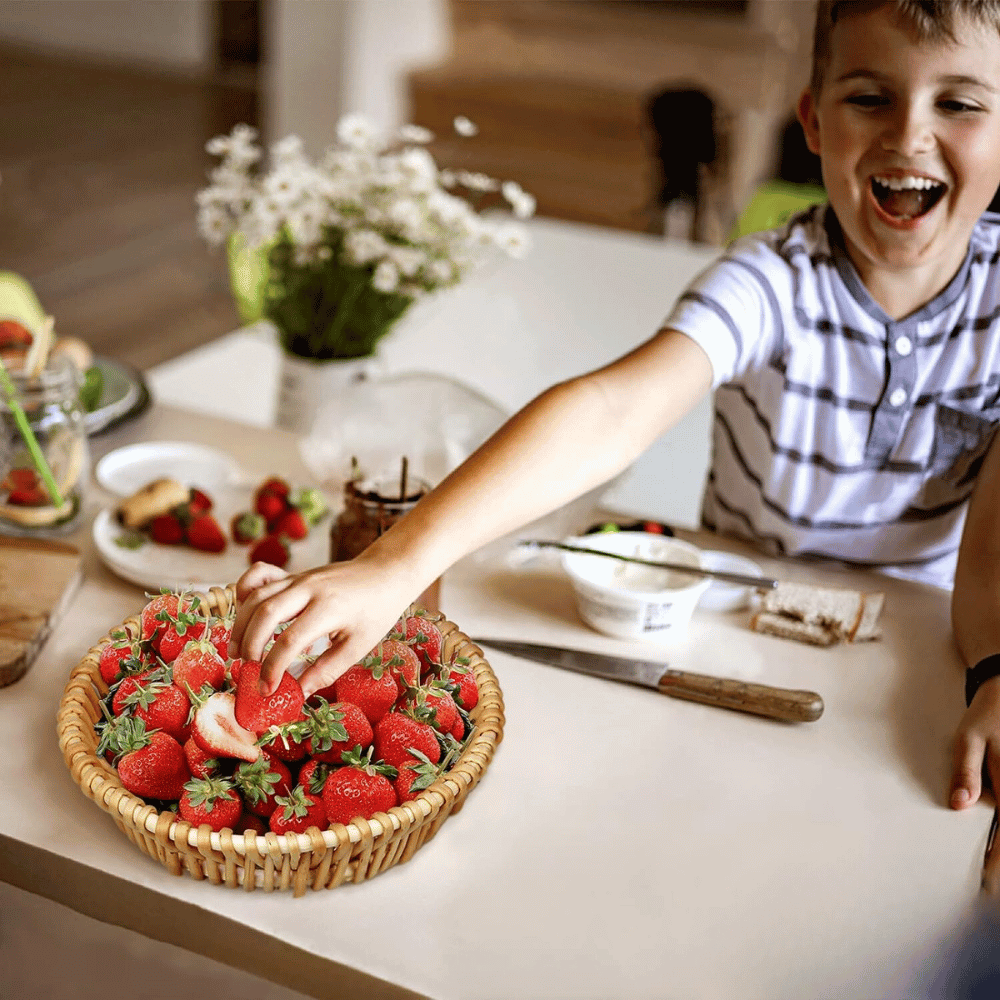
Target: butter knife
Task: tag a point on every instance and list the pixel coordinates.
(785, 704)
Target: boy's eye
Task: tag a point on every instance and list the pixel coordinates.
(957, 107)
(868, 100)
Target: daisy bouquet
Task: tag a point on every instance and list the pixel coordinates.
(333, 251)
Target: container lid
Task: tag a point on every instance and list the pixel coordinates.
(722, 596)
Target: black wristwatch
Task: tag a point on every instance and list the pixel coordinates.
(977, 676)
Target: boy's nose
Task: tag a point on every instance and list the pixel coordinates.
(908, 132)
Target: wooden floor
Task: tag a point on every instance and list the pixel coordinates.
(98, 171)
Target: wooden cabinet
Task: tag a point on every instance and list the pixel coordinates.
(562, 92)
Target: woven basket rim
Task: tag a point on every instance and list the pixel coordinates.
(78, 736)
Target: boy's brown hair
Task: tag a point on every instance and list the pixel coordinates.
(929, 20)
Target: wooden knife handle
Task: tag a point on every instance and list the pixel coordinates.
(759, 699)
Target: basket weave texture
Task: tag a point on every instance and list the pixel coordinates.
(316, 859)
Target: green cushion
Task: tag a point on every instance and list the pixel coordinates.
(773, 203)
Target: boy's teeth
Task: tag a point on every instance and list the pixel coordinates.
(904, 183)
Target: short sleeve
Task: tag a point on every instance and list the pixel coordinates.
(731, 310)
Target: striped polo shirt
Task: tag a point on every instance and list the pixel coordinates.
(840, 432)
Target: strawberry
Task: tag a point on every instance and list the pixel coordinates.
(360, 788)
(288, 741)
(202, 764)
(442, 711)
(313, 775)
(130, 684)
(211, 801)
(292, 525)
(204, 534)
(247, 527)
(166, 529)
(162, 705)
(180, 629)
(261, 782)
(397, 734)
(311, 503)
(424, 637)
(297, 811)
(465, 689)
(220, 631)
(336, 728)
(156, 614)
(14, 334)
(233, 669)
(258, 712)
(113, 659)
(275, 485)
(271, 549)
(270, 506)
(369, 686)
(151, 765)
(250, 822)
(198, 664)
(35, 496)
(217, 732)
(396, 657)
(199, 502)
(414, 777)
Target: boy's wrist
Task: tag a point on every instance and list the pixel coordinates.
(976, 676)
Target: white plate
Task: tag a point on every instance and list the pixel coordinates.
(179, 567)
(125, 470)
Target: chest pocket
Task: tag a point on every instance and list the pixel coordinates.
(961, 439)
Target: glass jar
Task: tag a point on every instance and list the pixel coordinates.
(50, 402)
(371, 507)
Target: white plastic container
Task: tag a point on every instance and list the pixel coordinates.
(723, 596)
(632, 601)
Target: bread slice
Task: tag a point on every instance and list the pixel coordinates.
(155, 498)
(819, 615)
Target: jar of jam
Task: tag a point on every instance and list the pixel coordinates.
(371, 507)
(44, 457)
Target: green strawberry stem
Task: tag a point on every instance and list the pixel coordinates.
(37, 456)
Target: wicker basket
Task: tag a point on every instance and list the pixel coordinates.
(317, 859)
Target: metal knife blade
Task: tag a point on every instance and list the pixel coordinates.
(786, 704)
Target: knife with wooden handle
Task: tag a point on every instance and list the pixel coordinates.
(784, 704)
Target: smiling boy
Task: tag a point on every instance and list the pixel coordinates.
(854, 354)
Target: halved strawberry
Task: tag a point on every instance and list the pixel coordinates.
(217, 732)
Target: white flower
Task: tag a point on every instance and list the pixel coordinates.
(416, 133)
(239, 146)
(464, 127)
(356, 131)
(386, 277)
(408, 260)
(519, 200)
(287, 150)
(447, 178)
(305, 223)
(284, 185)
(420, 168)
(440, 272)
(477, 182)
(363, 246)
(511, 238)
(406, 214)
(214, 223)
(447, 209)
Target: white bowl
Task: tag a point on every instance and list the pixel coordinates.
(628, 600)
(723, 596)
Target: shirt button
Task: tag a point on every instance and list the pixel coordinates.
(897, 397)
(904, 345)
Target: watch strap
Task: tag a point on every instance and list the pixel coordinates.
(975, 677)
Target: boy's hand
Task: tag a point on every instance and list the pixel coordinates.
(351, 603)
(977, 747)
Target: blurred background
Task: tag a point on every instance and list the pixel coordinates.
(660, 116)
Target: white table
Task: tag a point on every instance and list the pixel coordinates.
(582, 297)
(620, 845)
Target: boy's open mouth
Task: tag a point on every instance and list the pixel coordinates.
(907, 197)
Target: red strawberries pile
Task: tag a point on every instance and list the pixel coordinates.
(186, 727)
(279, 517)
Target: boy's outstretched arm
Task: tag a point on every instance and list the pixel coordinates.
(568, 440)
(976, 620)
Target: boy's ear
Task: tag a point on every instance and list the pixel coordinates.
(806, 111)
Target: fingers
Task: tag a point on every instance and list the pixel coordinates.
(967, 782)
(331, 664)
(259, 574)
(305, 628)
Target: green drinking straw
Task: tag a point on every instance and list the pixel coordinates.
(37, 456)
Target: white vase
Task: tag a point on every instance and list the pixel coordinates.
(305, 384)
